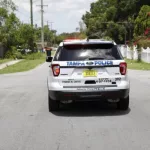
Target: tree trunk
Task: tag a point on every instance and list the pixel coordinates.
(139, 55)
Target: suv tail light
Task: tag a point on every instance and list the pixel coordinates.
(123, 68)
(55, 69)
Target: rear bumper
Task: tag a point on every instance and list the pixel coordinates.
(88, 96)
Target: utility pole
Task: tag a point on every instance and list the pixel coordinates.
(42, 22)
(31, 11)
(47, 23)
(50, 28)
(52, 32)
(50, 24)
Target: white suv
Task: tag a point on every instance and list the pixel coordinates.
(87, 70)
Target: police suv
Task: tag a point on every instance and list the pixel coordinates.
(87, 70)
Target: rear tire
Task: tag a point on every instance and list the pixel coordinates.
(53, 104)
(123, 104)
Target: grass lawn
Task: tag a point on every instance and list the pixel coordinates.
(133, 64)
(24, 65)
(4, 61)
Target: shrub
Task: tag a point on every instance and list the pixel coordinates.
(13, 53)
(144, 43)
(33, 56)
(19, 55)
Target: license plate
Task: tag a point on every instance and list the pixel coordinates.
(90, 73)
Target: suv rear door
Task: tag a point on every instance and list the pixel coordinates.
(84, 64)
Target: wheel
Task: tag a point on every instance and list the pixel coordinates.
(53, 104)
(123, 104)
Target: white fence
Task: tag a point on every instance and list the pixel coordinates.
(133, 54)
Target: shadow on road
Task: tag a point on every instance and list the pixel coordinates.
(88, 109)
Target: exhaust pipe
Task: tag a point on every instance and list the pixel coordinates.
(67, 101)
(113, 100)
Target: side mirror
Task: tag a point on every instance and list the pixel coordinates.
(49, 59)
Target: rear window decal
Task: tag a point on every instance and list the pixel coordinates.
(94, 63)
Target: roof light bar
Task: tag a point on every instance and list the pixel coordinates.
(71, 39)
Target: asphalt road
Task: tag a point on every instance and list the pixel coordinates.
(26, 124)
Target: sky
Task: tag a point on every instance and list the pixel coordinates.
(65, 14)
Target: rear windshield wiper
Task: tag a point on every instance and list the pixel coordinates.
(97, 58)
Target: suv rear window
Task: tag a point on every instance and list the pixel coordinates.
(79, 52)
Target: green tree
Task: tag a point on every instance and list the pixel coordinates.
(81, 30)
(142, 21)
(49, 35)
(24, 35)
(38, 34)
(112, 19)
(3, 17)
(9, 26)
(8, 5)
